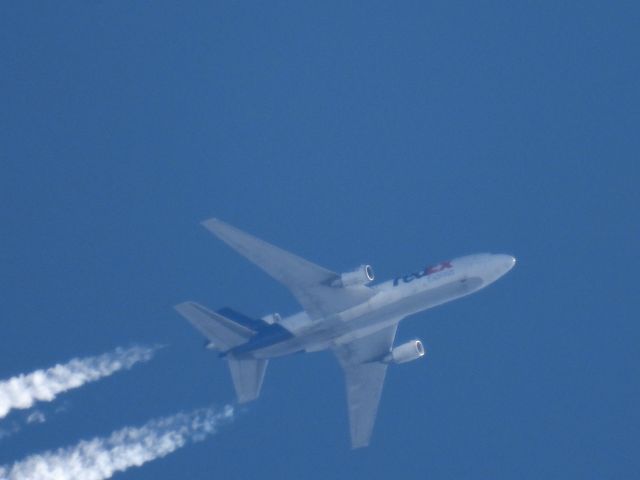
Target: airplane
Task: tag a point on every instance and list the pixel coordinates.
(342, 312)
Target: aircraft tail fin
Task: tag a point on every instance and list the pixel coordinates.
(222, 332)
(247, 375)
(225, 330)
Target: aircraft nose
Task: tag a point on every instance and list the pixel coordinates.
(505, 262)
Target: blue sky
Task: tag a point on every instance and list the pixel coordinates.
(398, 135)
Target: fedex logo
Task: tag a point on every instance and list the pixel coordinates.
(441, 267)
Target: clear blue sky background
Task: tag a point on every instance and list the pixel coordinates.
(396, 134)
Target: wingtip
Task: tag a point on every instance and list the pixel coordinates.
(180, 307)
(177, 306)
(210, 221)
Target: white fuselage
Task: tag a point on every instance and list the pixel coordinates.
(394, 300)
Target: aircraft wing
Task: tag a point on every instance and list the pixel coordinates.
(364, 375)
(309, 283)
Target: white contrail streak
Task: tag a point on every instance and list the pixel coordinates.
(24, 390)
(101, 458)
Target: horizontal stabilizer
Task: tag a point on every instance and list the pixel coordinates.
(247, 375)
(223, 332)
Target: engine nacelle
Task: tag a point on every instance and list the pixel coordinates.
(406, 352)
(360, 276)
(209, 345)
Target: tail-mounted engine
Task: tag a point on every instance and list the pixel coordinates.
(360, 276)
(272, 318)
(406, 352)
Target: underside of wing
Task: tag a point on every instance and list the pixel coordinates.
(364, 377)
(364, 389)
(313, 286)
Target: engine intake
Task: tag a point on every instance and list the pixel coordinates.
(360, 276)
(406, 352)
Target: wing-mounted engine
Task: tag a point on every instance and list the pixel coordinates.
(406, 352)
(360, 276)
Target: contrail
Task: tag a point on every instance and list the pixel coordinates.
(24, 390)
(34, 417)
(101, 458)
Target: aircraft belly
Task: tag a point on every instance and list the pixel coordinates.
(336, 330)
(281, 349)
(386, 315)
(437, 296)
